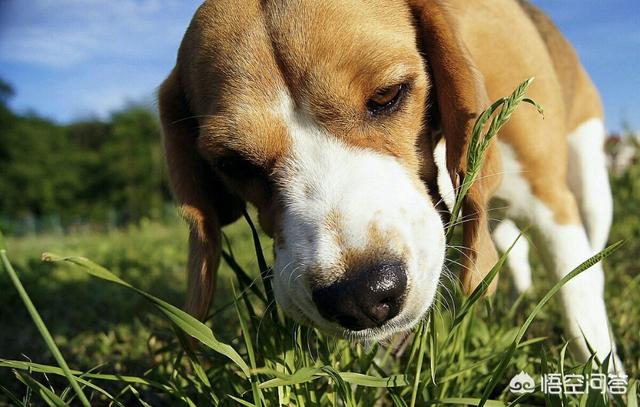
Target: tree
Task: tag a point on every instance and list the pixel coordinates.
(87, 170)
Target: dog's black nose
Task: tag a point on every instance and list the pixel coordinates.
(366, 298)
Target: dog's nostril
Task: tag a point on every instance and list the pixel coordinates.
(380, 312)
(365, 298)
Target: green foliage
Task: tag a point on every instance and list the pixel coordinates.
(624, 265)
(134, 171)
(34, 171)
(627, 188)
(88, 171)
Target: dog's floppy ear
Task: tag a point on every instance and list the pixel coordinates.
(204, 201)
(459, 96)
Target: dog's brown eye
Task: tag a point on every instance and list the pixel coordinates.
(386, 99)
(237, 167)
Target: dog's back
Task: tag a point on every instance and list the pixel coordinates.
(577, 87)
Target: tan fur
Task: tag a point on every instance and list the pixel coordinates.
(238, 58)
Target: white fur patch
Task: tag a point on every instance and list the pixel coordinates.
(323, 177)
(589, 180)
(563, 247)
(518, 261)
(445, 186)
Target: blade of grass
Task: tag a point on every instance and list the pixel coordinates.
(563, 353)
(3, 244)
(422, 337)
(42, 327)
(136, 394)
(45, 393)
(303, 375)
(264, 269)
(632, 394)
(372, 381)
(240, 401)
(478, 143)
(544, 369)
(242, 317)
(184, 321)
(12, 397)
(433, 347)
(342, 389)
(397, 400)
(262, 263)
(308, 374)
(39, 368)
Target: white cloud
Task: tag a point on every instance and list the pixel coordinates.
(74, 58)
(64, 33)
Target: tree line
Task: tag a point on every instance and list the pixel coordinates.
(88, 172)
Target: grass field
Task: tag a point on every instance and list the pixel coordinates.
(132, 349)
(101, 325)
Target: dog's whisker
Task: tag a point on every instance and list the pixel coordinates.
(440, 301)
(452, 279)
(454, 191)
(201, 116)
(291, 279)
(463, 250)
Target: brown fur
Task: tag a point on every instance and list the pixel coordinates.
(205, 211)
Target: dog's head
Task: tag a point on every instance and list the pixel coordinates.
(317, 113)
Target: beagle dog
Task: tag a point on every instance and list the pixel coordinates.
(324, 115)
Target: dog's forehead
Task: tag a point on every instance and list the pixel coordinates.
(326, 56)
(308, 34)
(265, 42)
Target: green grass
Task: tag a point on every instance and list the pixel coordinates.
(125, 346)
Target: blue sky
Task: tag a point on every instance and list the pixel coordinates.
(70, 59)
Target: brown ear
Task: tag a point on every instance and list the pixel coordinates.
(204, 201)
(460, 97)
